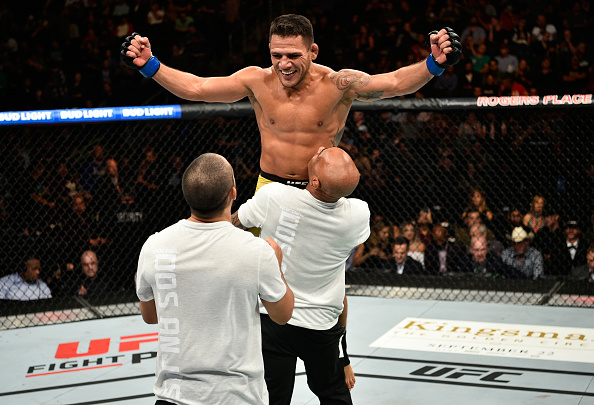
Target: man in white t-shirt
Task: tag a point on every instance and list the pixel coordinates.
(543, 30)
(201, 280)
(316, 228)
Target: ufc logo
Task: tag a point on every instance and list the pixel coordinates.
(457, 373)
(101, 346)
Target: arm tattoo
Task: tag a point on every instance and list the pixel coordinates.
(337, 137)
(235, 221)
(346, 79)
(370, 95)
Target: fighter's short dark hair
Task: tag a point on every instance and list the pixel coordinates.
(292, 25)
(206, 184)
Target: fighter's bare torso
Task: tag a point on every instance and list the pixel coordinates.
(295, 122)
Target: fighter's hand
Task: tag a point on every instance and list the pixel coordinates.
(349, 376)
(446, 48)
(135, 51)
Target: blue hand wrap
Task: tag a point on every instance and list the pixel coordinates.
(434, 69)
(150, 68)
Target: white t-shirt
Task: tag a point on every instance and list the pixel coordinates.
(316, 239)
(206, 280)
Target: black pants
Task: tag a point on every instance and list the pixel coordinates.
(283, 344)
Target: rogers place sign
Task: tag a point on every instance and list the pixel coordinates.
(507, 101)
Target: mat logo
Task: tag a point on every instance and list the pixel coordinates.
(453, 373)
(98, 347)
(96, 355)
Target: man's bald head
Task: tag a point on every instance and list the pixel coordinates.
(206, 185)
(332, 174)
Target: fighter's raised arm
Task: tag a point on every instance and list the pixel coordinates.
(299, 105)
(136, 53)
(446, 50)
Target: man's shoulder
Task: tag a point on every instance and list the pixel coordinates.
(412, 265)
(357, 203)
(276, 189)
(8, 277)
(164, 233)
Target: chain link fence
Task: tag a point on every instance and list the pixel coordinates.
(421, 163)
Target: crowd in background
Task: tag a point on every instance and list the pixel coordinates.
(459, 177)
(78, 189)
(65, 54)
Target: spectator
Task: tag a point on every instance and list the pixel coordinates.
(480, 230)
(572, 250)
(534, 218)
(43, 212)
(468, 80)
(450, 14)
(148, 177)
(575, 77)
(25, 285)
(63, 188)
(156, 14)
(478, 202)
(121, 8)
(513, 219)
(447, 83)
(508, 63)
(520, 39)
(549, 242)
(473, 34)
(425, 225)
(480, 59)
(416, 248)
(585, 272)
(481, 262)
(365, 41)
(93, 170)
(472, 217)
(443, 255)
(184, 26)
(577, 19)
(123, 29)
(546, 80)
(490, 87)
(376, 252)
(88, 282)
(493, 70)
(79, 228)
(523, 259)
(523, 74)
(542, 30)
(402, 262)
(509, 86)
(108, 196)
